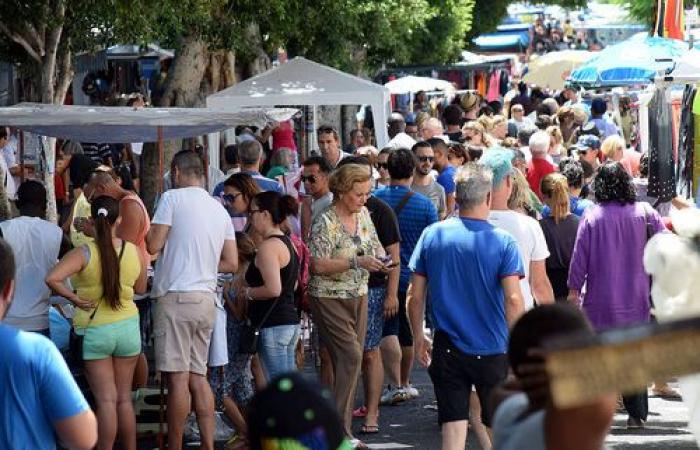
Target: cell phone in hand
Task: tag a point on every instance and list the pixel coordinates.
(391, 264)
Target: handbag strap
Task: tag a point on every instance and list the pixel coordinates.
(92, 316)
(403, 203)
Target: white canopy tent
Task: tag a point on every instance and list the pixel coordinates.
(125, 125)
(411, 84)
(304, 82)
(685, 70)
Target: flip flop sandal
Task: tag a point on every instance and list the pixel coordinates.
(369, 429)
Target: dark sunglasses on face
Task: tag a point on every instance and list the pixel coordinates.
(426, 159)
(311, 179)
(384, 166)
(230, 198)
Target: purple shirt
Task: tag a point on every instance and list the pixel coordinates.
(608, 259)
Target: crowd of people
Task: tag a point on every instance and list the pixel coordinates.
(464, 243)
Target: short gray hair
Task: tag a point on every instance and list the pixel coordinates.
(249, 152)
(72, 148)
(539, 143)
(188, 163)
(474, 183)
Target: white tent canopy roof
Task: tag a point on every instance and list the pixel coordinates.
(304, 82)
(412, 84)
(687, 68)
(125, 124)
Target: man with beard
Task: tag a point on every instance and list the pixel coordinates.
(423, 181)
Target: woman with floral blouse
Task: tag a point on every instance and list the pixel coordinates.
(344, 249)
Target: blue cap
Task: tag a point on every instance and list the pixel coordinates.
(588, 141)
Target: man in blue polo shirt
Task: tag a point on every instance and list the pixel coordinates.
(250, 157)
(415, 212)
(39, 399)
(472, 270)
(446, 172)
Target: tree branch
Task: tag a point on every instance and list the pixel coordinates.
(38, 38)
(21, 41)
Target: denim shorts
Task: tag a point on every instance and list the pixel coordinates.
(375, 317)
(277, 346)
(121, 339)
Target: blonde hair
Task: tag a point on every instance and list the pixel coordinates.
(519, 198)
(343, 179)
(610, 145)
(497, 119)
(478, 127)
(421, 117)
(555, 134)
(486, 122)
(555, 190)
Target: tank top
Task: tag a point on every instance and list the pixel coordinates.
(88, 283)
(141, 239)
(285, 311)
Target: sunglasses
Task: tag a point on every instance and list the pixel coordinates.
(426, 159)
(311, 179)
(230, 198)
(384, 166)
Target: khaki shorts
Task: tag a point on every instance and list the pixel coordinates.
(182, 326)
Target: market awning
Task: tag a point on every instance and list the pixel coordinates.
(124, 124)
(501, 41)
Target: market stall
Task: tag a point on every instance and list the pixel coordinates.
(126, 125)
(301, 82)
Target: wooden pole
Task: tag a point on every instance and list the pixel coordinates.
(161, 156)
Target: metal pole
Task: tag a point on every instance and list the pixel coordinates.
(21, 157)
(161, 156)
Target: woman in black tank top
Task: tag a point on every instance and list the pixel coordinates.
(272, 279)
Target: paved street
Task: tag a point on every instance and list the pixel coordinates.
(414, 425)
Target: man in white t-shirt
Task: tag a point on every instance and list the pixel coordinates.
(193, 236)
(526, 230)
(36, 244)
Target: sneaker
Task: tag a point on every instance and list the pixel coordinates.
(665, 392)
(410, 391)
(392, 396)
(634, 423)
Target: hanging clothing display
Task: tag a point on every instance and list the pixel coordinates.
(661, 164)
(494, 86)
(686, 147)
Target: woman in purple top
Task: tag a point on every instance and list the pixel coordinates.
(607, 260)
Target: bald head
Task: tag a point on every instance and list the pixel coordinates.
(101, 183)
(397, 124)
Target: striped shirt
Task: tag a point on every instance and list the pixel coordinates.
(416, 215)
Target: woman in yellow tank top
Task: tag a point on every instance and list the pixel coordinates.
(105, 274)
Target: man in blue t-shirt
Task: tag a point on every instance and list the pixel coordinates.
(250, 155)
(39, 398)
(446, 172)
(473, 272)
(415, 212)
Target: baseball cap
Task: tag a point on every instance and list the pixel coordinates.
(410, 118)
(587, 141)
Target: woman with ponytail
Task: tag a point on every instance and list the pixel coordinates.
(559, 228)
(106, 273)
(271, 279)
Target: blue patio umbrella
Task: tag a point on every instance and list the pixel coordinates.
(631, 62)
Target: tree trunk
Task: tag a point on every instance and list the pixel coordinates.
(260, 61)
(348, 121)
(47, 178)
(182, 86)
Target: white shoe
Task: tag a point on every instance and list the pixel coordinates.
(410, 391)
(392, 396)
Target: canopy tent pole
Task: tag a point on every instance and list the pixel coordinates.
(314, 134)
(161, 156)
(21, 157)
